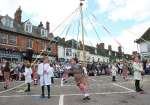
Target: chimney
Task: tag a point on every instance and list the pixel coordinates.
(109, 48)
(48, 26)
(97, 45)
(63, 39)
(119, 49)
(41, 24)
(17, 15)
(101, 46)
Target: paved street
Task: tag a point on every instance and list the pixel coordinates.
(102, 90)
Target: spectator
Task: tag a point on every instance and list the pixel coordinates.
(6, 75)
(138, 70)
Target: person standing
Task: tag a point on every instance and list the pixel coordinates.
(114, 72)
(52, 78)
(120, 66)
(1, 74)
(138, 70)
(35, 75)
(6, 72)
(45, 73)
(125, 70)
(27, 74)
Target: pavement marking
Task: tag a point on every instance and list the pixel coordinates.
(14, 82)
(93, 79)
(62, 96)
(61, 100)
(61, 83)
(12, 88)
(106, 93)
(123, 87)
(17, 96)
(69, 85)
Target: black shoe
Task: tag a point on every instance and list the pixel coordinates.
(42, 96)
(86, 98)
(26, 91)
(139, 90)
(49, 97)
(5, 87)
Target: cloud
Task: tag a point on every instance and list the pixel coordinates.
(128, 36)
(126, 9)
(54, 11)
(8, 7)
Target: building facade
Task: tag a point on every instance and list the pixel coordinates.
(144, 45)
(19, 39)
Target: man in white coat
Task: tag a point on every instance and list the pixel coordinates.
(138, 70)
(45, 73)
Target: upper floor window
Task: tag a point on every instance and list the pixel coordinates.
(28, 27)
(29, 43)
(43, 32)
(43, 45)
(8, 22)
(3, 38)
(12, 39)
(148, 47)
(68, 52)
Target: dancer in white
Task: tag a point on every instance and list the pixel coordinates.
(27, 74)
(45, 72)
(114, 71)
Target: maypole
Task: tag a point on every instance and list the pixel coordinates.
(82, 28)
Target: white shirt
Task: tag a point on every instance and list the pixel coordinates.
(45, 72)
(137, 67)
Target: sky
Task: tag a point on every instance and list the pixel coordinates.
(124, 20)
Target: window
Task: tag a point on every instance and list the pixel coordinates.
(12, 39)
(68, 52)
(43, 45)
(3, 39)
(148, 47)
(43, 33)
(29, 43)
(6, 21)
(28, 27)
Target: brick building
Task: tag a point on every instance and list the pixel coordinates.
(17, 38)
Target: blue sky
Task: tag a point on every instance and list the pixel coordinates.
(121, 17)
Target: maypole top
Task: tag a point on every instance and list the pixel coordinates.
(81, 2)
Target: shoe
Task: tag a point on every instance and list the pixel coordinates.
(86, 98)
(49, 97)
(27, 90)
(5, 87)
(42, 96)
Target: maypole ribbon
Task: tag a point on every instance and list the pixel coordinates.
(109, 33)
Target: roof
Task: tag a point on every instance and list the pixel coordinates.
(144, 37)
(19, 28)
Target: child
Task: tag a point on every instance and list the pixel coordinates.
(114, 72)
(27, 74)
